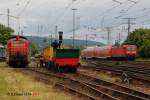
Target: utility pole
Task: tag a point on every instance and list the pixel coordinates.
(18, 21)
(102, 22)
(41, 29)
(38, 29)
(119, 38)
(108, 29)
(51, 38)
(78, 23)
(129, 24)
(56, 31)
(8, 14)
(22, 33)
(74, 17)
(86, 37)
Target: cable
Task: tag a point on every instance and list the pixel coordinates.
(130, 7)
(145, 15)
(109, 10)
(140, 10)
(57, 19)
(26, 5)
(126, 11)
(18, 2)
(142, 22)
(63, 13)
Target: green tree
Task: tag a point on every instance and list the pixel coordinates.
(145, 49)
(33, 48)
(5, 33)
(45, 40)
(141, 37)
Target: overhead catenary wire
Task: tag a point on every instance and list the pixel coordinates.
(79, 2)
(130, 7)
(18, 2)
(24, 8)
(127, 14)
(144, 21)
(121, 15)
(63, 13)
(109, 10)
(20, 14)
(106, 11)
(66, 8)
(120, 24)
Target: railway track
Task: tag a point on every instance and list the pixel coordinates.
(140, 73)
(120, 90)
(132, 64)
(90, 87)
(147, 63)
(127, 67)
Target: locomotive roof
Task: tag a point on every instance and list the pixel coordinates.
(14, 36)
(126, 43)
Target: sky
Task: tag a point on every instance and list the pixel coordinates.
(40, 17)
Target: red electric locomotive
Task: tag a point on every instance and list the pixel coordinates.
(125, 51)
(18, 51)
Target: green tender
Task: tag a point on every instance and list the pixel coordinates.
(67, 53)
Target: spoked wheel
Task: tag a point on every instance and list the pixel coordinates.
(54, 68)
(41, 64)
(73, 70)
(61, 70)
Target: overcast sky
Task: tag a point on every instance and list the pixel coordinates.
(39, 17)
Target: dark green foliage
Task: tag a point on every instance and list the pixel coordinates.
(141, 37)
(66, 42)
(75, 47)
(145, 49)
(45, 40)
(5, 33)
(33, 48)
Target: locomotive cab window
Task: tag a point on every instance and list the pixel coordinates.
(131, 48)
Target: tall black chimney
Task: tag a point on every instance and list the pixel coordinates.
(60, 37)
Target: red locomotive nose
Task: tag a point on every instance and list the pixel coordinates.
(131, 52)
(17, 37)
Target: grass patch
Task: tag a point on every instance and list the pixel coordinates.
(102, 75)
(3, 65)
(83, 61)
(141, 59)
(108, 76)
(17, 86)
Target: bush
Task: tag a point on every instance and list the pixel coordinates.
(145, 49)
(5, 33)
(141, 38)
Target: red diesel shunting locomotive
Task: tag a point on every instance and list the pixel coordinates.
(18, 51)
(125, 51)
